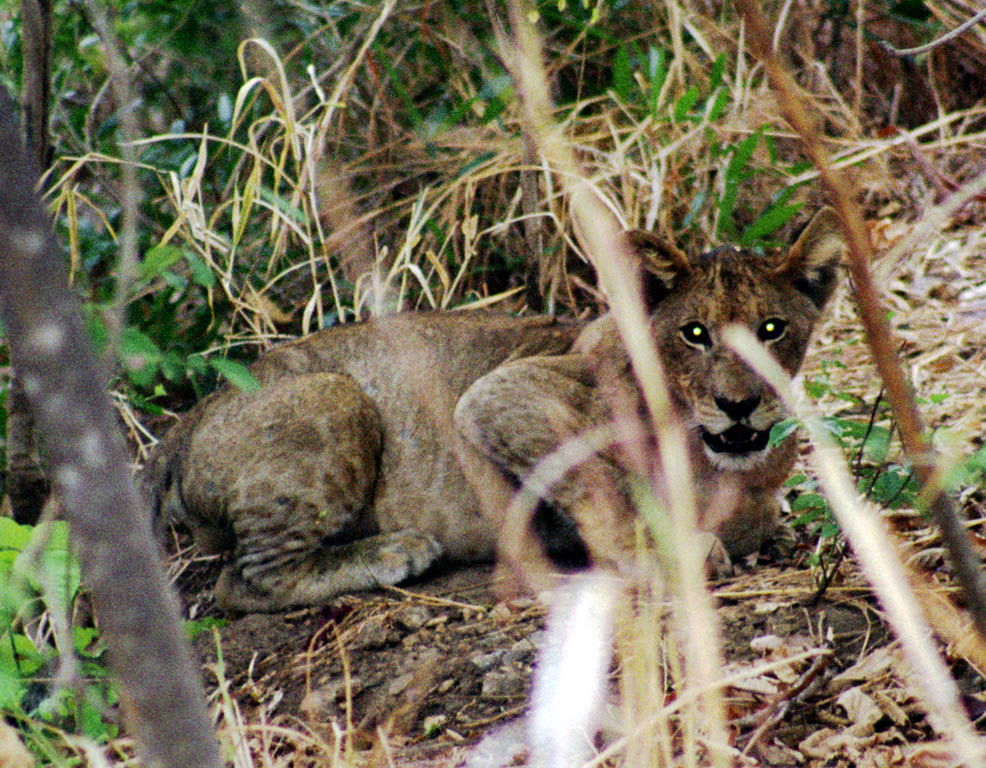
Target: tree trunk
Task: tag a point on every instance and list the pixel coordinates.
(87, 460)
(26, 486)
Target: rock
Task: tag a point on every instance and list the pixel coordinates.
(489, 660)
(412, 616)
(502, 682)
(372, 633)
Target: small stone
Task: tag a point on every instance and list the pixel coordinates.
(501, 613)
(372, 633)
(412, 616)
(486, 660)
(502, 682)
(530, 643)
(399, 684)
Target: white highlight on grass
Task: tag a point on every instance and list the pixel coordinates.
(569, 687)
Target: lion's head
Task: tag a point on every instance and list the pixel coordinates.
(692, 299)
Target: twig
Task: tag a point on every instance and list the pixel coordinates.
(937, 42)
(879, 337)
(770, 715)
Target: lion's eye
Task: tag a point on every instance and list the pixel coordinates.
(771, 329)
(695, 334)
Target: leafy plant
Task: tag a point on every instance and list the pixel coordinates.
(39, 586)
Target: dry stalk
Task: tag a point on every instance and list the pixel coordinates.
(937, 42)
(609, 251)
(879, 337)
(123, 91)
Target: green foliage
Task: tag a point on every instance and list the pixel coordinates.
(741, 165)
(882, 475)
(866, 441)
(39, 572)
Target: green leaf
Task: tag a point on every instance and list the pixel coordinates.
(684, 104)
(719, 103)
(197, 364)
(156, 260)
(782, 430)
(795, 480)
(61, 578)
(877, 444)
(809, 501)
(768, 222)
(14, 536)
(808, 517)
(657, 73)
(283, 205)
(622, 74)
(85, 640)
(201, 273)
(18, 655)
(96, 328)
(717, 72)
(235, 373)
(137, 349)
(195, 627)
(736, 171)
(12, 687)
(173, 367)
(817, 387)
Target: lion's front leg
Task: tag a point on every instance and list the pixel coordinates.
(541, 422)
(314, 576)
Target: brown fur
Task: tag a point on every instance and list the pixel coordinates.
(339, 473)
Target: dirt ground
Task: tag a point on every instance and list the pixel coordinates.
(442, 664)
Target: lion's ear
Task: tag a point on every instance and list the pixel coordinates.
(812, 261)
(662, 264)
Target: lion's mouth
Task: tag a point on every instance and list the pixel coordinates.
(739, 439)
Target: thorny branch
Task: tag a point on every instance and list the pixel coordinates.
(879, 336)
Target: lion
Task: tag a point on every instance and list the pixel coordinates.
(340, 473)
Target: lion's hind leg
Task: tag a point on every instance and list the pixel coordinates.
(289, 473)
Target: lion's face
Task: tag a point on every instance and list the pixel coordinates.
(723, 403)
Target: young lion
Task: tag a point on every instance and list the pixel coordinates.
(339, 474)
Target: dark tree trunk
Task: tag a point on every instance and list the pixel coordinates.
(26, 486)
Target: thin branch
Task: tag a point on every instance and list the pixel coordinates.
(138, 616)
(937, 42)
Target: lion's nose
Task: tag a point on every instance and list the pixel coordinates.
(738, 409)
